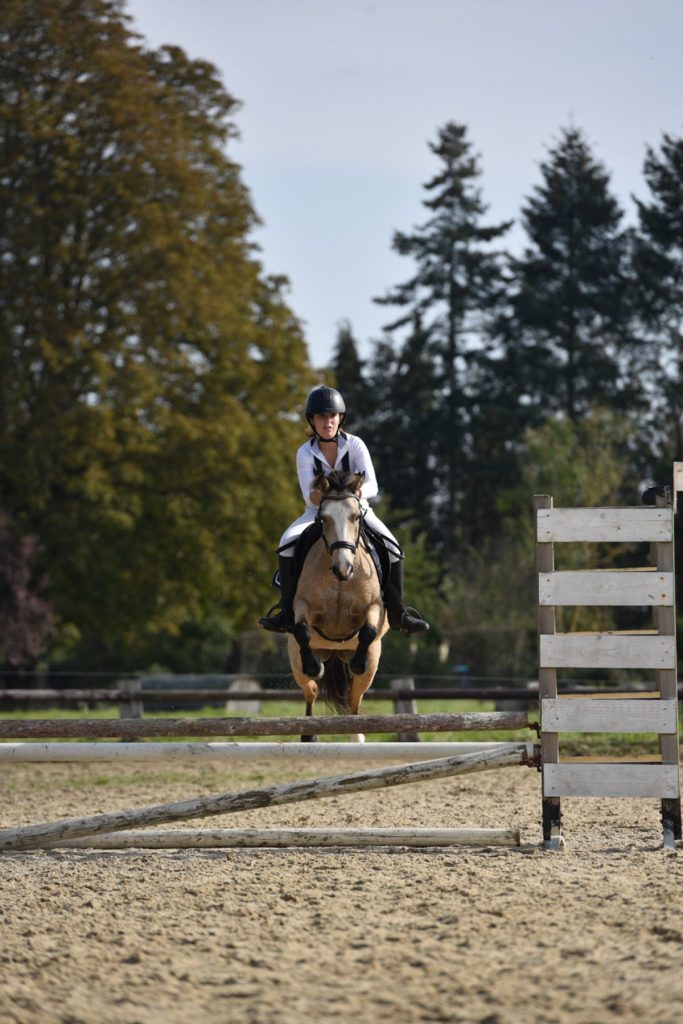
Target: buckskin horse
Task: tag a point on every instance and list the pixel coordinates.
(339, 616)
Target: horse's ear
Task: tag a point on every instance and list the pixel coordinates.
(354, 481)
(321, 483)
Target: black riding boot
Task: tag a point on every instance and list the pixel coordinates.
(283, 621)
(401, 617)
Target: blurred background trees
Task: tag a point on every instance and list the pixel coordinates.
(152, 373)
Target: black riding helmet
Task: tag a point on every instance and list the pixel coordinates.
(323, 399)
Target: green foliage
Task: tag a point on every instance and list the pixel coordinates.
(491, 595)
(659, 277)
(456, 287)
(572, 287)
(348, 370)
(580, 464)
(152, 375)
(150, 372)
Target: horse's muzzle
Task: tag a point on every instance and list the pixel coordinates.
(343, 573)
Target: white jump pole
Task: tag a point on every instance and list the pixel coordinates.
(207, 839)
(239, 752)
(35, 836)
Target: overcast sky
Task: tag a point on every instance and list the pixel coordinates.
(340, 101)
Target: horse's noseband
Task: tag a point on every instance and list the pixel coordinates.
(335, 545)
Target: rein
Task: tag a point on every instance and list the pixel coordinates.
(334, 546)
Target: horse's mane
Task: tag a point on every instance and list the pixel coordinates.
(339, 482)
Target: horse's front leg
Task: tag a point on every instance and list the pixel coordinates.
(359, 661)
(309, 712)
(371, 655)
(359, 685)
(361, 676)
(311, 665)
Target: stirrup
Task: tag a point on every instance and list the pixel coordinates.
(412, 622)
(280, 623)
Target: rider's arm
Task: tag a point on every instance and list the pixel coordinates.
(305, 468)
(362, 463)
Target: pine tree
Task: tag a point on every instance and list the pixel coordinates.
(149, 369)
(402, 429)
(348, 370)
(572, 315)
(456, 285)
(659, 273)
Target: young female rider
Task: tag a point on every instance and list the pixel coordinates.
(331, 448)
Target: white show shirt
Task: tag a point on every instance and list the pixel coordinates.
(359, 462)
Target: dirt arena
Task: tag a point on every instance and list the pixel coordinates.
(593, 934)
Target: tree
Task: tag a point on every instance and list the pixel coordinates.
(402, 430)
(348, 370)
(489, 610)
(26, 618)
(571, 312)
(456, 284)
(150, 372)
(659, 273)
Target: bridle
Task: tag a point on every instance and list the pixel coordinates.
(335, 545)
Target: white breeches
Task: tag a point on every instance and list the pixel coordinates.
(373, 521)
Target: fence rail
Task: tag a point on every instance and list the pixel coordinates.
(45, 695)
(118, 695)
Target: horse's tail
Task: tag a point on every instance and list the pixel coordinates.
(334, 685)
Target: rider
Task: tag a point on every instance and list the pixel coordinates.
(331, 448)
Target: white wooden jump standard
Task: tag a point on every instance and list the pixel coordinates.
(35, 836)
(239, 752)
(655, 711)
(203, 839)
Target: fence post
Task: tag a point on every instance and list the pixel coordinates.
(246, 707)
(405, 706)
(130, 705)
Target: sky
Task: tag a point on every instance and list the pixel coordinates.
(340, 101)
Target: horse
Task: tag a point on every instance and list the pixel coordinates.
(339, 616)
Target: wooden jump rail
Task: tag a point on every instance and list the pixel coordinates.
(290, 726)
(203, 839)
(52, 833)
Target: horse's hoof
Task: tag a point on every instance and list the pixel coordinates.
(310, 739)
(358, 668)
(311, 667)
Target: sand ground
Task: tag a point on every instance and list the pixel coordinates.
(488, 935)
